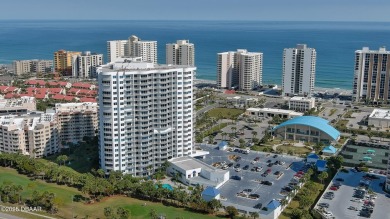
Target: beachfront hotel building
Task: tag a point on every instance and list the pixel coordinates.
(76, 121)
(34, 65)
(117, 49)
(180, 53)
(133, 47)
(145, 115)
(299, 68)
(63, 61)
(371, 75)
(31, 134)
(84, 65)
(240, 69)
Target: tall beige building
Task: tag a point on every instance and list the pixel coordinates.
(132, 47)
(240, 69)
(180, 53)
(63, 61)
(34, 65)
(76, 120)
(31, 134)
(372, 75)
(117, 49)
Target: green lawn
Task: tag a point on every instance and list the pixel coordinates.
(82, 157)
(332, 111)
(296, 150)
(95, 210)
(225, 113)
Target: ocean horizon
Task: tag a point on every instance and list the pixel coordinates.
(335, 42)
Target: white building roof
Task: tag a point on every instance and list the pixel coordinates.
(272, 110)
(297, 98)
(190, 163)
(380, 114)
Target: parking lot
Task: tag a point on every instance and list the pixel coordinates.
(251, 180)
(346, 203)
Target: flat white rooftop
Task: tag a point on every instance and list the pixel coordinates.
(190, 163)
(297, 98)
(380, 114)
(272, 110)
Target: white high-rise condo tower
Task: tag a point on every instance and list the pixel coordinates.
(371, 80)
(299, 69)
(84, 65)
(145, 115)
(240, 68)
(180, 53)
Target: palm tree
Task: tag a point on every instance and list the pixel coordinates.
(233, 129)
(254, 215)
(223, 135)
(254, 133)
(369, 134)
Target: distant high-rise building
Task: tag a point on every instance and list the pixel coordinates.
(241, 68)
(145, 115)
(141, 48)
(34, 65)
(84, 65)
(180, 53)
(371, 75)
(63, 61)
(133, 47)
(299, 68)
(117, 49)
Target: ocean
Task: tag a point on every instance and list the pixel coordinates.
(335, 42)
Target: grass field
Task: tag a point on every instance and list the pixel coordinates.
(81, 210)
(225, 113)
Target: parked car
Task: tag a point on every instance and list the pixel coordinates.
(324, 205)
(236, 177)
(237, 165)
(267, 183)
(328, 214)
(334, 188)
(238, 169)
(258, 206)
(246, 167)
(275, 156)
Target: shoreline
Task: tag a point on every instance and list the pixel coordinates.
(316, 89)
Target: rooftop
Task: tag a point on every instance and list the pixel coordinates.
(297, 98)
(274, 110)
(380, 114)
(189, 163)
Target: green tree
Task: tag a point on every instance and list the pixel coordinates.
(153, 214)
(369, 134)
(108, 212)
(304, 201)
(123, 213)
(254, 133)
(62, 159)
(231, 211)
(214, 205)
(322, 176)
(296, 214)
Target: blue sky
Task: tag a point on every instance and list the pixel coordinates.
(283, 10)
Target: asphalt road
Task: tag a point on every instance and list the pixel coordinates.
(7, 216)
(205, 109)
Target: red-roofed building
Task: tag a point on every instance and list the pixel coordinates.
(40, 96)
(12, 89)
(10, 96)
(27, 95)
(36, 83)
(73, 91)
(83, 86)
(53, 84)
(31, 90)
(58, 97)
(41, 90)
(64, 84)
(68, 98)
(230, 92)
(56, 90)
(85, 99)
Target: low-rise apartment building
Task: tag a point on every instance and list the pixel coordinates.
(301, 104)
(76, 120)
(17, 106)
(31, 134)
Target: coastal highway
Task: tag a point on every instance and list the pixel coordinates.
(205, 109)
